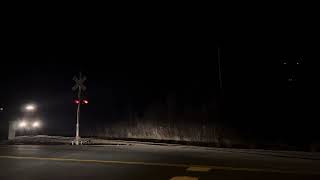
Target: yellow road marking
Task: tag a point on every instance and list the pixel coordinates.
(199, 169)
(184, 178)
(160, 164)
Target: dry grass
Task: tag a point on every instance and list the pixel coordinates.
(179, 132)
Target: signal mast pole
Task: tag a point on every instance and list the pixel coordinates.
(79, 85)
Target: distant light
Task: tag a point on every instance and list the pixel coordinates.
(30, 107)
(36, 124)
(285, 63)
(85, 102)
(1, 109)
(298, 63)
(291, 79)
(23, 124)
(76, 101)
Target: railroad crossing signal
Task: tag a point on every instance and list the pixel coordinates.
(84, 101)
(80, 87)
(79, 82)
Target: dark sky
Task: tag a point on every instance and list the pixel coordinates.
(147, 62)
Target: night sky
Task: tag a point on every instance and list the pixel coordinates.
(140, 65)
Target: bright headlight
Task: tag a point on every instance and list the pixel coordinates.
(22, 124)
(36, 124)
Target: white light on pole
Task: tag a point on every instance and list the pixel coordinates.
(30, 107)
(36, 124)
(22, 124)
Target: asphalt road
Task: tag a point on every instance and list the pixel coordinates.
(153, 162)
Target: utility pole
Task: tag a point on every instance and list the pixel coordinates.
(219, 66)
(220, 103)
(80, 87)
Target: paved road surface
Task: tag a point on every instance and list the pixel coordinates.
(153, 162)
